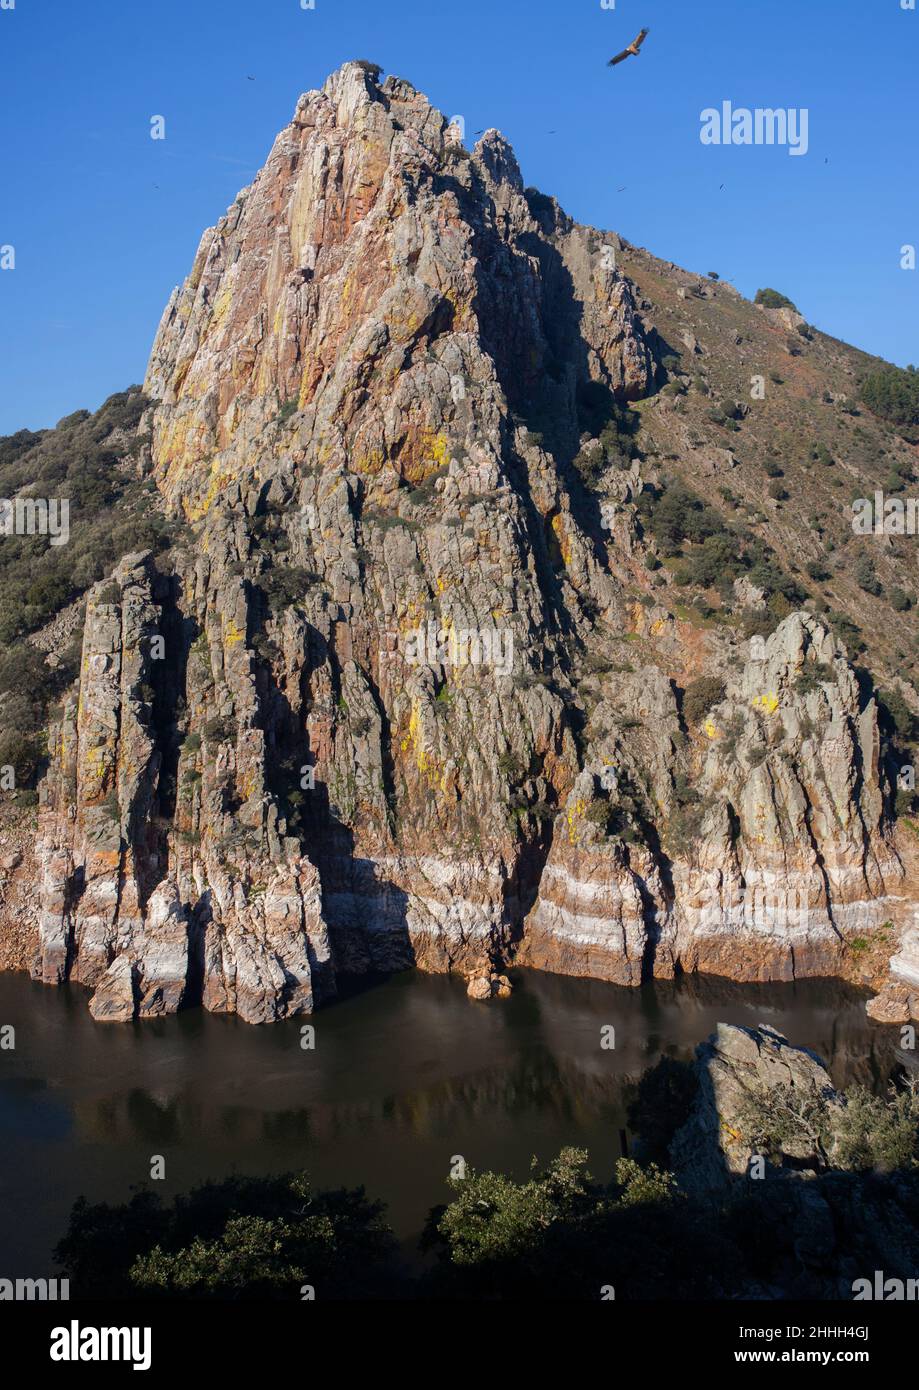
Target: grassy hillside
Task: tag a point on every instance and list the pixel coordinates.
(96, 462)
(802, 454)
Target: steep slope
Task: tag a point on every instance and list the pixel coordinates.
(419, 682)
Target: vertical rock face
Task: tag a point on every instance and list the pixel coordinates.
(376, 713)
(791, 857)
(99, 792)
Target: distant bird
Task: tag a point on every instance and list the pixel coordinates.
(249, 79)
(622, 189)
(631, 51)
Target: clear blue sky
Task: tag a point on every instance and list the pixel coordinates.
(106, 221)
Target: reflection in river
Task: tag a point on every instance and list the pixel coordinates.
(405, 1074)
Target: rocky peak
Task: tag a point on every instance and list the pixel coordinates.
(369, 251)
(406, 691)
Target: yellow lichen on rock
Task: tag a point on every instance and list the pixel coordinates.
(574, 815)
(564, 543)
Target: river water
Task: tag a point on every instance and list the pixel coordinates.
(406, 1073)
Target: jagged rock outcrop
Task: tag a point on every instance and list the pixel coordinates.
(790, 857)
(732, 1067)
(831, 1225)
(98, 796)
(402, 695)
(898, 999)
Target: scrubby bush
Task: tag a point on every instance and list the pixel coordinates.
(848, 632)
(862, 1133)
(865, 576)
(675, 514)
(813, 676)
(772, 299)
(220, 729)
(538, 202)
(239, 1238)
(700, 696)
(283, 585)
(709, 563)
(897, 716)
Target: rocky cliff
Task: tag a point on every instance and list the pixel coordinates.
(768, 1135)
(408, 688)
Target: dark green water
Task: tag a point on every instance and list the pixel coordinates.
(406, 1073)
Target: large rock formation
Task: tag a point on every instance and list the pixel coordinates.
(791, 859)
(827, 1229)
(898, 999)
(732, 1067)
(400, 696)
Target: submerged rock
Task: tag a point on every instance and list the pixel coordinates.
(492, 986)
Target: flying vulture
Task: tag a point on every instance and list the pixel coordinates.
(633, 48)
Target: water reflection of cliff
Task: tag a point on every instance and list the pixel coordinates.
(437, 1067)
(406, 1073)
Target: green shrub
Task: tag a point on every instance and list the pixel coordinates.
(848, 632)
(772, 299)
(817, 571)
(714, 560)
(283, 585)
(897, 715)
(865, 576)
(675, 514)
(220, 729)
(700, 696)
(813, 676)
(256, 1238)
(538, 202)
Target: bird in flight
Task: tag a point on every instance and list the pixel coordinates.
(632, 49)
